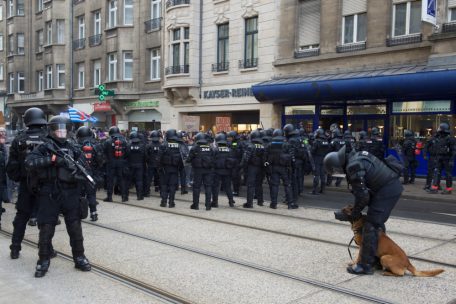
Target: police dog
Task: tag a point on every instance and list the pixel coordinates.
(393, 259)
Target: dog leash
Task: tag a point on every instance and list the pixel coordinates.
(348, 248)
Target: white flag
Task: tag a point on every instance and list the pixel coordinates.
(428, 11)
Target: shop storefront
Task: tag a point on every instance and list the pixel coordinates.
(143, 115)
(240, 121)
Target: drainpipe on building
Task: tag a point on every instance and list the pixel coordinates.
(200, 81)
(70, 101)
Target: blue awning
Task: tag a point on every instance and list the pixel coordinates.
(405, 83)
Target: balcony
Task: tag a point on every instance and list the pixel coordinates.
(307, 53)
(77, 1)
(95, 40)
(220, 66)
(248, 63)
(171, 3)
(449, 27)
(153, 25)
(408, 39)
(351, 47)
(177, 69)
(79, 44)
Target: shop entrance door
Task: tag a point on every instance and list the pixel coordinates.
(357, 124)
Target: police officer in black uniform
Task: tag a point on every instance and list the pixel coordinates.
(137, 163)
(59, 192)
(374, 185)
(446, 153)
(320, 148)
(2, 176)
(279, 160)
(116, 155)
(430, 154)
(253, 162)
(22, 145)
(410, 162)
(294, 140)
(153, 162)
(93, 156)
(377, 147)
(235, 145)
(170, 161)
(364, 143)
(224, 162)
(184, 151)
(201, 156)
(349, 141)
(336, 143)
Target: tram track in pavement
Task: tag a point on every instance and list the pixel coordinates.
(153, 291)
(287, 234)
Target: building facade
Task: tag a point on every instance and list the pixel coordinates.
(60, 51)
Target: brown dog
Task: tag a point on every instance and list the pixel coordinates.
(393, 259)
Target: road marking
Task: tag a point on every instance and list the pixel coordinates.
(449, 214)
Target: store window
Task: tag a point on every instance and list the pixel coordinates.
(366, 110)
(300, 110)
(407, 18)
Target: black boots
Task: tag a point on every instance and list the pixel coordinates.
(231, 203)
(273, 206)
(94, 216)
(293, 206)
(32, 222)
(42, 267)
(194, 206)
(163, 203)
(184, 190)
(15, 249)
(214, 204)
(247, 205)
(124, 199)
(82, 263)
(368, 251)
(108, 199)
(171, 204)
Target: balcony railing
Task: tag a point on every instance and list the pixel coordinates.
(351, 47)
(307, 53)
(79, 44)
(415, 38)
(177, 69)
(153, 25)
(248, 63)
(449, 27)
(95, 40)
(77, 1)
(171, 3)
(220, 66)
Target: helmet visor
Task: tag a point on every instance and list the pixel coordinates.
(60, 131)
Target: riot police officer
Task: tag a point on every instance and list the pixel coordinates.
(235, 145)
(93, 157)
(430, 154)
(153, 162)
(116, 155)
(446, 152)
(2, 176)
(364, 143)
(410, 162)
(320, 148)
(182, 172)
(377, 147)
(374, 185)
(224, 162)
(297, 171)
(253, 161)
(279, 160)
(201, 156)
(59, 188)
(136, 163)
(349, 141)
(170, 161)
(336, 143)
(27, 203)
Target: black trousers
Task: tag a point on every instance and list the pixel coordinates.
(90, 193)
(137, 177)
(319, 174)
(443, 163)
(225, 181)
(202, 177)
(168, 184)
(116, 172)
(236, 178)
(254, 184)
(410, 166)
(280, 174)
(152, 177)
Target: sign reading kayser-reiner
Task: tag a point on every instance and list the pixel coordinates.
(228, 93)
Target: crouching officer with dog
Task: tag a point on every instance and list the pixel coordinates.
(374, 184)
(58, 166)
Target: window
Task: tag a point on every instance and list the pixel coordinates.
(40, 80)
(11, 83)
(354, 28)
(60, 31)
(20, 82)
(176, 47)
(128, 65)
(1, 71)
(49, 77)
(155, 11)
(112, 67)
(20, 44)
(309, 24)
(10, 45)
(451, 11)
(39, 40)
(81, 27)
(81, 75)
(97, 23)
(154, 64)
(222, 47)
(39, 5)
(1, 41)
(112, 16)
(49, 32)
(11, 11)
(251, 42)
(407, 18)
(20, 7)
(128, 12)
(1, 12)
(60, 76)
(96, 73)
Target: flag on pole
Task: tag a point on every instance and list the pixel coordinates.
(428, 11)
(79, 116)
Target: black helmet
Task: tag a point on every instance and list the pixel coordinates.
(333, 127)
(269, 132)
(408, 133)
(255, 136)
(302, 132)
(277, 136)
(201, 139)
(220, 139)
(34, 116)
(289, 130)
(84, 132)
(362, 134)
(444, 128)
(114, 130)
(232, 134)
(320, 133)
(375, 131)
(171, 134)
(155, 135)
(59, 127)
(334, 162)
(134, 137)
(348, 134)
(337, 133)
